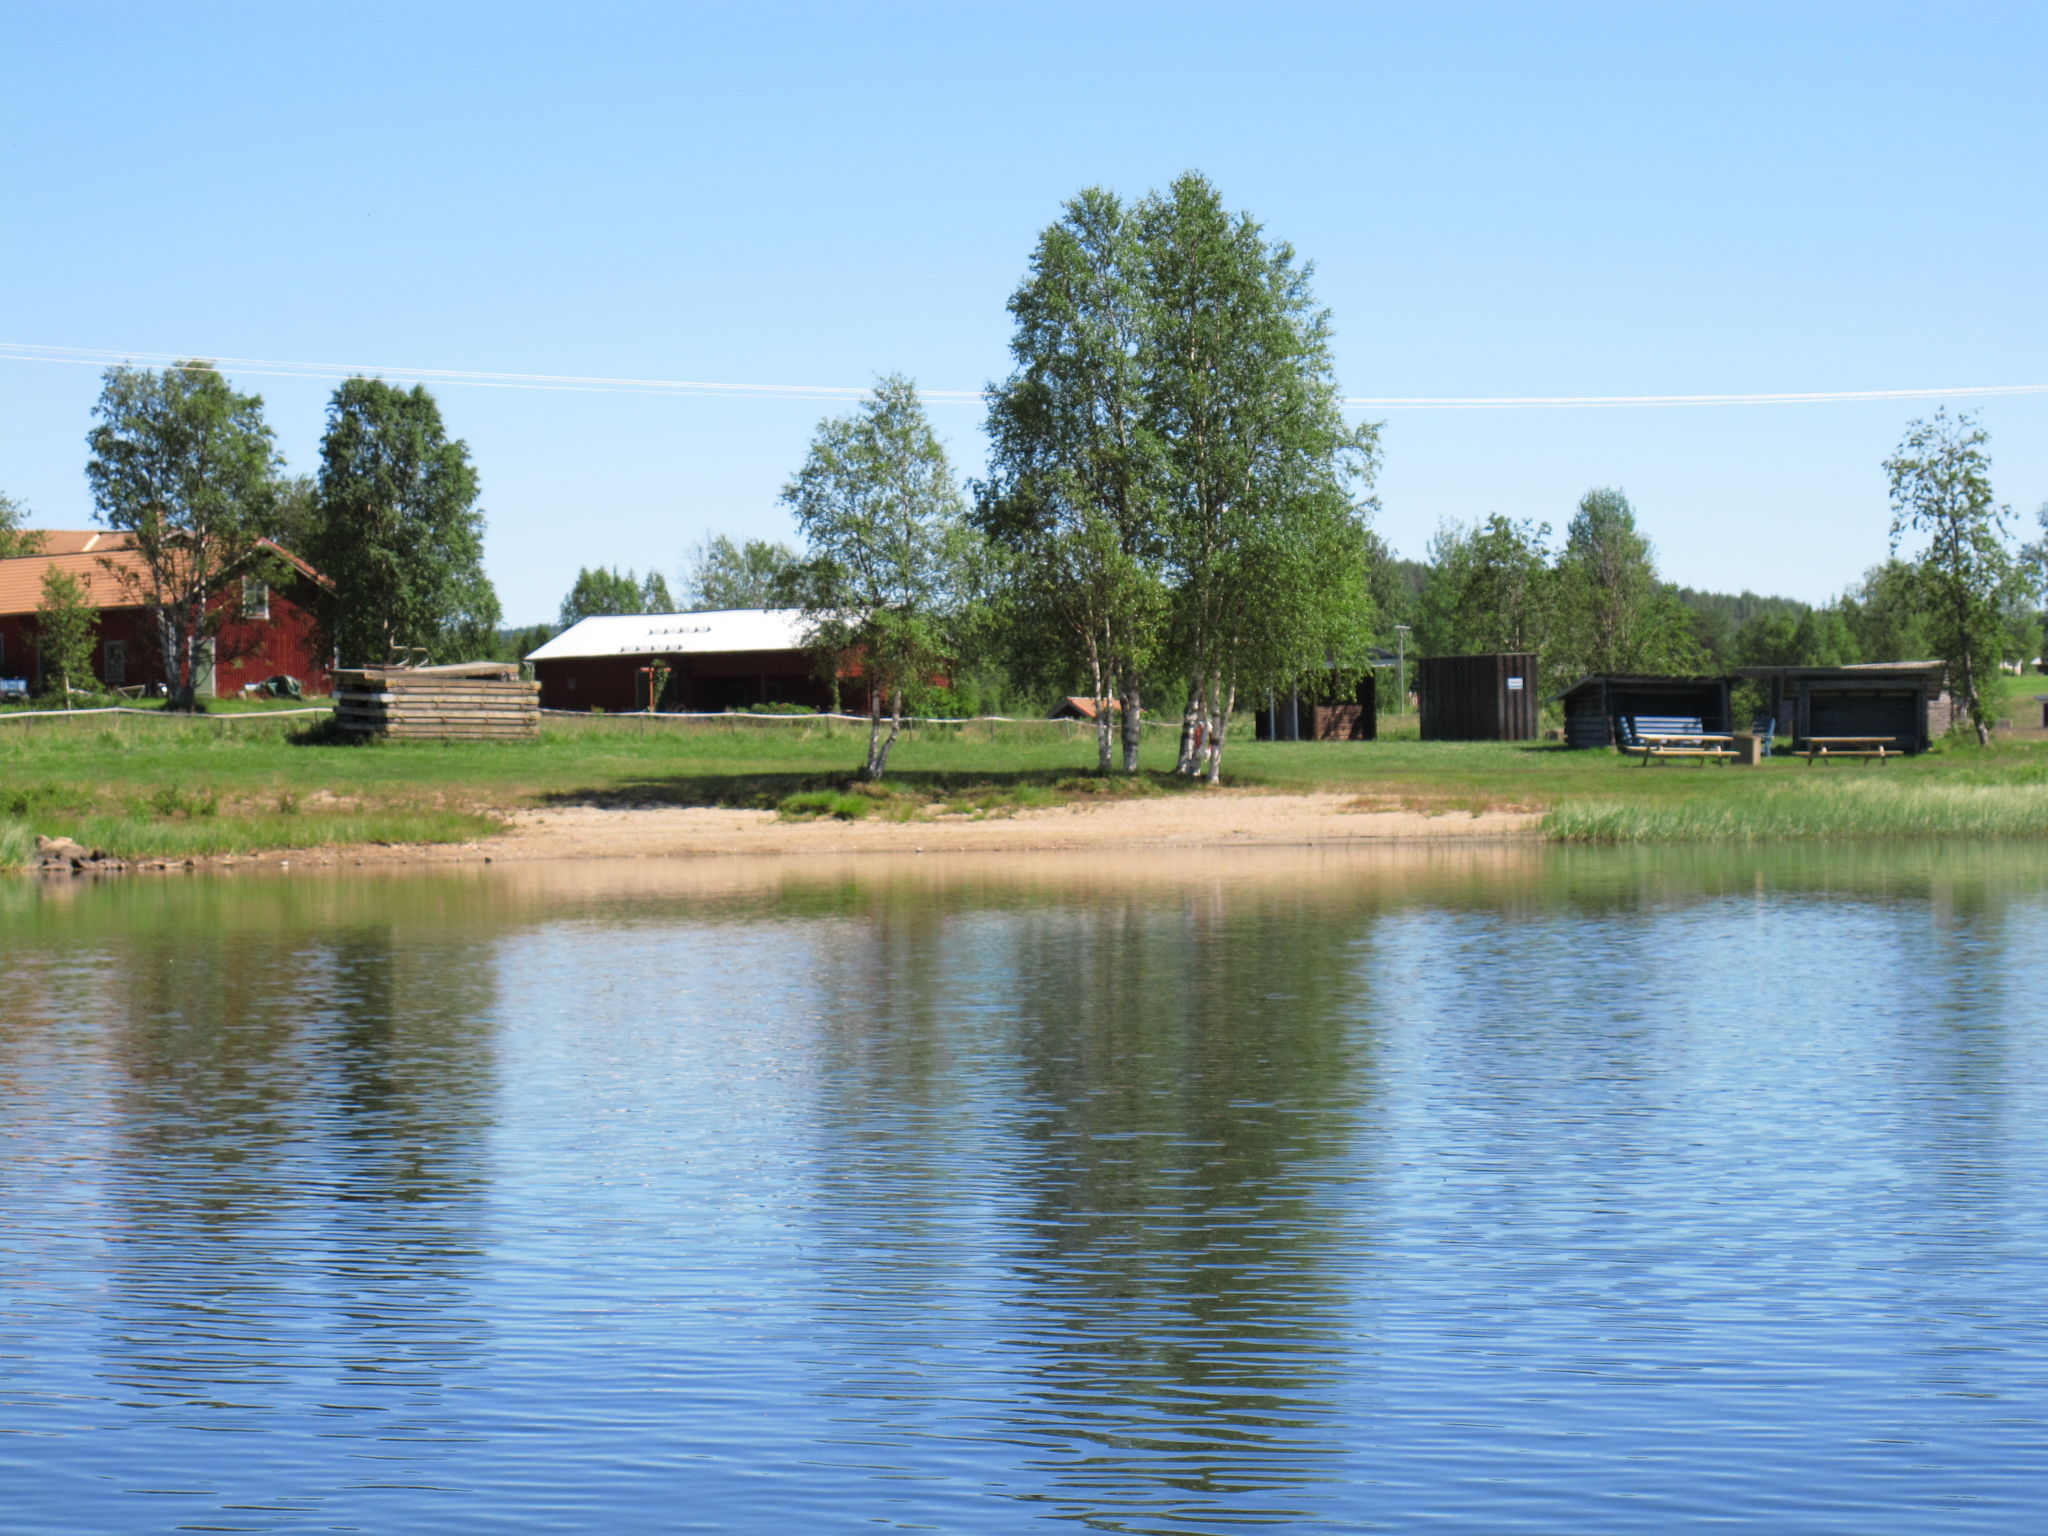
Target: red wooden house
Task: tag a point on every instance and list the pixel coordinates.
(266, 630)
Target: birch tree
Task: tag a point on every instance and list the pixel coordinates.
(1076, 474)
(885, 523)
(1265, 544)
(185, 466)
(398, 533)
(1966, 574)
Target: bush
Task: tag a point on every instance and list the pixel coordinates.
(826, 802)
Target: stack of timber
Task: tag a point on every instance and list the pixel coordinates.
(471, 701)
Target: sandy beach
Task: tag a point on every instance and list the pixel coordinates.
(1224, 818)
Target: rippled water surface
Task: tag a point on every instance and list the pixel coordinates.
(1489, 1190)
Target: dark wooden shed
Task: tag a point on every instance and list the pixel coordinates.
(1478, 698)
(1906, 700)
(1593, 705)
(1333, 717)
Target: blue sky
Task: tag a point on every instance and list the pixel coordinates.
(1500, 201)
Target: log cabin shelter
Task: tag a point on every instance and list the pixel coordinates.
(261, 630)
(1489, 697)
(732, 659)
(1595, 706)
(1327, 714)
(1908, 701)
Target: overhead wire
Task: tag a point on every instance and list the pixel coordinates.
(101, 357)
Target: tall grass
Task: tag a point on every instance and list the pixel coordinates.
(1811, 813)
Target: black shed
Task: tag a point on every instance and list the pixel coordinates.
(1478, 698)
(1905, 700)
(1593, 705)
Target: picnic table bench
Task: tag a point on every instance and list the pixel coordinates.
(1883, 748)
(1663, 737)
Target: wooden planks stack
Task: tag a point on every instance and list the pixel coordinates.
(471, 701)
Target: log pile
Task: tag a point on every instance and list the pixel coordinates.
(471, 701)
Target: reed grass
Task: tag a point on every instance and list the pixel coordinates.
(1864, 810)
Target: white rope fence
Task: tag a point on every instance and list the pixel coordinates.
(734, 715)
(157, 714)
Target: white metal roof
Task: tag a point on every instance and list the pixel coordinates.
(676, 634)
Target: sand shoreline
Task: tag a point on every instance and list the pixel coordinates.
(1221, 819)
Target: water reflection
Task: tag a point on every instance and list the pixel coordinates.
(1499, 1187)
(286, 1165)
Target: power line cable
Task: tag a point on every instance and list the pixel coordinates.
(100, 357)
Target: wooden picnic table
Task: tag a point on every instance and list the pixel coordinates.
(1704, 745)
(1880, 747)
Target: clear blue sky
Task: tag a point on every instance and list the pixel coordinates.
(1500, 200)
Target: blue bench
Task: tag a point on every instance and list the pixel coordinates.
(1668, 736)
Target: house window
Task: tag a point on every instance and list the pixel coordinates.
(255, 598)
(116, 663)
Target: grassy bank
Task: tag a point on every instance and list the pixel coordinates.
(150, 787)
(1821, 812)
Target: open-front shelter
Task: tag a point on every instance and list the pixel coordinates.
(1595, 706)
(1907, 701)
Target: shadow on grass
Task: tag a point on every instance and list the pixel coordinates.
(767, 791)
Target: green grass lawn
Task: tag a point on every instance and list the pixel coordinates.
(173, 787)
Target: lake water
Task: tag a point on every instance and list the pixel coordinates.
(1489, 1190)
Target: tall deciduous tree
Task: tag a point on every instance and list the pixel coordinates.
(185, 466)
(720, 574)
(399, 533)
(1266, 548)
(15, 539)
(1490, 588)
(885, 522)
(1076, 490)
(1613, 614)
(65, 621)
(1966, 573)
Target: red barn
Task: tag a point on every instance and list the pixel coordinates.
(266, 630)
(715, 661)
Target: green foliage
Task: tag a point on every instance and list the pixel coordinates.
(604, 591)
(719, 574)
(65, 625)
(1490, 589)
(1966, 577)
(1076, 495)
(825, 802)
(1265, 544)
(889, 550)
(398, 531)
(16, 540)
(184, 466)
(1613, 614)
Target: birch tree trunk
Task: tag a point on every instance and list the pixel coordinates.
(875, 751)
(1133, 722)
(878, 763)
